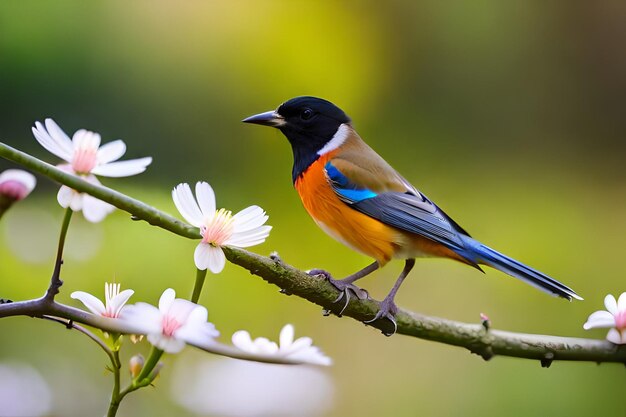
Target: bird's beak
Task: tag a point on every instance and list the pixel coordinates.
(269, 118)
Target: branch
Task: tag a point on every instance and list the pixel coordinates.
(43, 308)
(474, 337)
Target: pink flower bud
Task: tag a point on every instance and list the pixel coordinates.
(16, 184)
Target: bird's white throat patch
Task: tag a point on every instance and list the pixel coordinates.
(337, 140)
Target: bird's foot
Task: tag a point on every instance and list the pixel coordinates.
(346, 288)
(388, 310)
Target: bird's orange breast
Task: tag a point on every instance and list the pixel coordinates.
(352, 228)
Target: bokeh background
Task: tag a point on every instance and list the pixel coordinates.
(510, 115)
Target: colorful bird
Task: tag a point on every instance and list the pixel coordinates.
(356, 197)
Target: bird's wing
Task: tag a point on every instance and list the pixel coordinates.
(399, 205)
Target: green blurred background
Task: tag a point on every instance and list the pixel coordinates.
(510, 115)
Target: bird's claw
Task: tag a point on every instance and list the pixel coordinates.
(345, 289)
(388, 310)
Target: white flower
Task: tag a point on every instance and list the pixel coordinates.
(218, 228)
(16, 184)
(114, 300)
(301, 349)
(173, 324)
(86, 158)
(614, 317)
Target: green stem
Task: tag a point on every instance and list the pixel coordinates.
(116, 397)
(144, 379)
(197, 288)
(151, 362)
(55, 280)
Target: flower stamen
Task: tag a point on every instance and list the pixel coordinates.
(218, 228)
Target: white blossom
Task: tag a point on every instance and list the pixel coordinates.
(86, 158)
(614, 317)
(301, 349)
(171, 325)
(114, 300)
(218, 227)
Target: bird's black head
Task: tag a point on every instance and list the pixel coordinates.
(309, 123)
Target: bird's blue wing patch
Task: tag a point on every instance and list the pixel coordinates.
(346, 189)
(411, 212)
(414, 214)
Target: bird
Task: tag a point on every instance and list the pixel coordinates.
(357, 198)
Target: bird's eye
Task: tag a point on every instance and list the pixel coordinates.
(306, 114)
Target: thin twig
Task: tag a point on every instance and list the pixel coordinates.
(55, 280)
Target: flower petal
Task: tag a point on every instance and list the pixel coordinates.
(59, 135)
(600, 319)
(216, 259)
(70, 198)
(610, 304)
(86, 139)
(95, 210)
(187, 205)
(166, 300)
(25, 179)
(206, 198)
(181, 309)
(54, 140)
(614, 336)
(286, 336)
(118, 302)
(621, 302)
(123, 168)
(249, 238)
(92, 303)
(265, 346)
(241, 340)
(198, 334)
(201, 256)
(249, 218)
(111, 151)
(199, 315)
(142, 318)
(64, 196)
(302, 343)
(313, 356)
(166, 344)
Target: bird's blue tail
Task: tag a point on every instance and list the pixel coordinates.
(482, 254)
